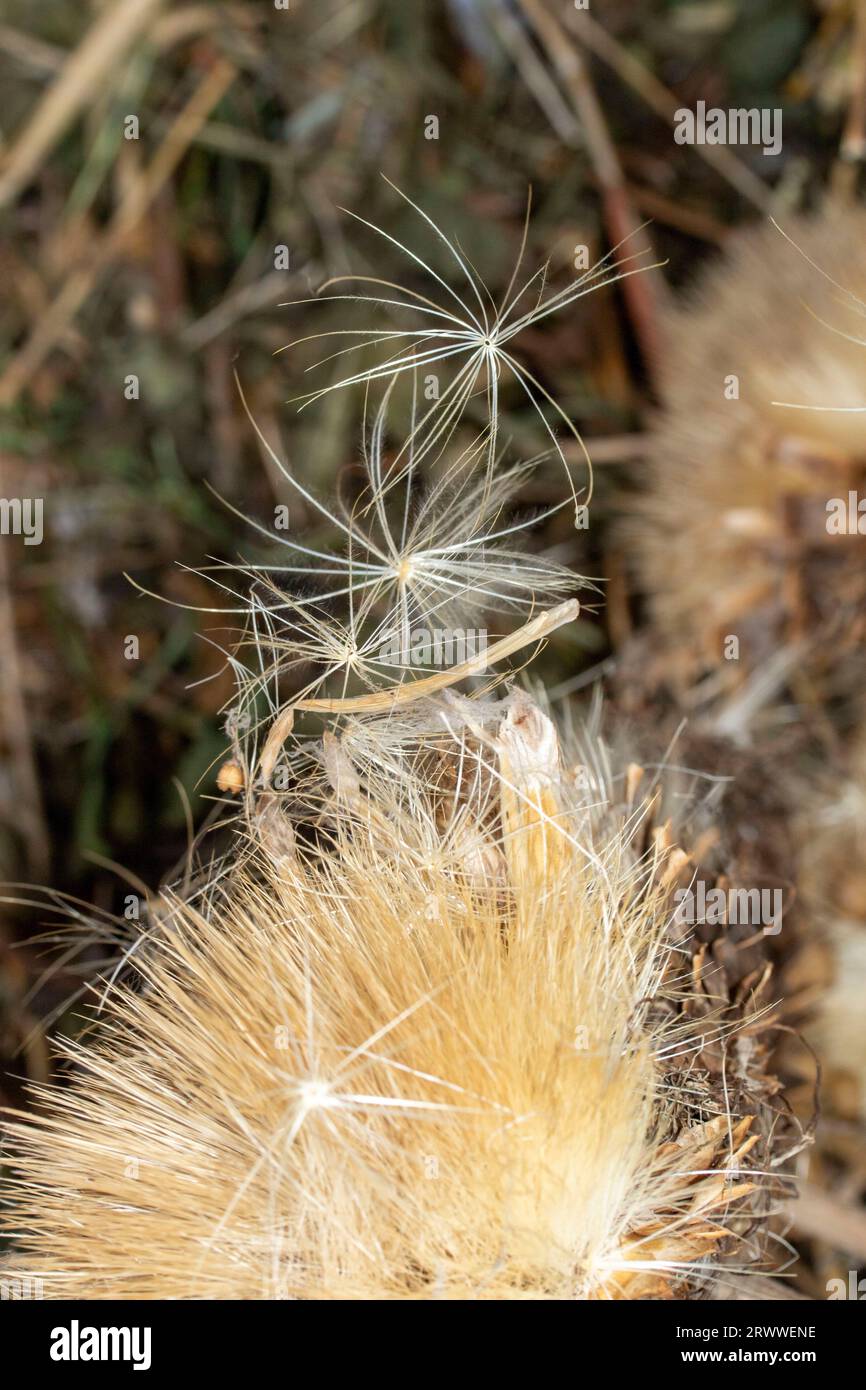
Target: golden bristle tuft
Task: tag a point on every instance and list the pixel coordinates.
(444, 1044)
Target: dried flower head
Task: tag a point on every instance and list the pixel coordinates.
(448, 1047)
(759, 448)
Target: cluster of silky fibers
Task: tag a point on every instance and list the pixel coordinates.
(439, 1055)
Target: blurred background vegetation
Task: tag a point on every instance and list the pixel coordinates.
(156, 257)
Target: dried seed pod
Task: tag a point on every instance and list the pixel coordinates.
(230, 778)
(361, 1071)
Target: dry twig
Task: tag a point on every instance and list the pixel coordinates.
(665, 104)
(135, 204)
(642, 294)
(83, 73)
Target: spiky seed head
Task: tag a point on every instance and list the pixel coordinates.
(763, 423)
(363, 1071)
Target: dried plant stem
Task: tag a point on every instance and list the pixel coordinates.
(29, 51)
(135, 204)
(533, 631)
(664, 102)
(178, 26)
(642, 294)
(83, 73)
(380, 701)
(852, 147)
(238, 304)
(30, 812)
(535, 75)
(167, 31)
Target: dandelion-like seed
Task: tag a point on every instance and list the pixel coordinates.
(411, 556)
(470, 329)
(413, 560)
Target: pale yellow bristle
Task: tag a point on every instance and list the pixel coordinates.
(368, 1071)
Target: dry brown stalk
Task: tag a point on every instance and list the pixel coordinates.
(85, 70)
(642, 293)
(135, 204)
(665, 104)
(381, 700)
